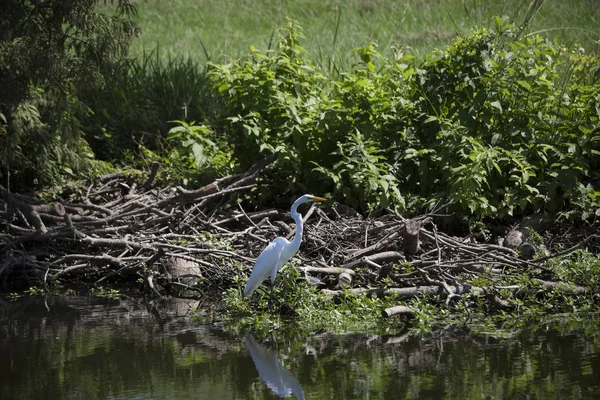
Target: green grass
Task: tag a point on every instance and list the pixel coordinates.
(212, 29)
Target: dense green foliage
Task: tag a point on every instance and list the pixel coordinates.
(496, 124)
(50, 52)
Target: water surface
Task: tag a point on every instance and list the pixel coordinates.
(94, 348)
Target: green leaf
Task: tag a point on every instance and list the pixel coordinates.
(524, 84)
(198, 152)
(384, 185)
(495, 139)
(496, 104)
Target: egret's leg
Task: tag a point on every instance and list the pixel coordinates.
(262, 290)
(273, 277)
(271, 298)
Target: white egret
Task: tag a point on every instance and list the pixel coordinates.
(279, 251)
(272, 372)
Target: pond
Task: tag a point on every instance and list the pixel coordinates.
(96, 348)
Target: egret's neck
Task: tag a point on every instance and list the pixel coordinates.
(299, 226)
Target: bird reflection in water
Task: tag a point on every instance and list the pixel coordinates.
(276, 377)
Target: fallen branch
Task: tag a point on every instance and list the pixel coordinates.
(567, 251)
(398, 310)
(380, 257)
(562, 287)
(328, 270)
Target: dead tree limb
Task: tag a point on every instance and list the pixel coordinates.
(398, 310)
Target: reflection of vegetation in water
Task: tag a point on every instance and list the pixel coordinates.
(470, 367)
(105, 351)
(457, 365)
(59, 354)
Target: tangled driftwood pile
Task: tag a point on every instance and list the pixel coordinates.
(119, 228)
(122, 228)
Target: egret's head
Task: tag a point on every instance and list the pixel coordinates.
(306, 198)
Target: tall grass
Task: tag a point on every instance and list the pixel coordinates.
(211, 29)
(138, 100)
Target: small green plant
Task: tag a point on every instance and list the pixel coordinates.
(212, 241)
(35, 291)
(14, 296)
(297, 306)
(109, 293)
(194, 140)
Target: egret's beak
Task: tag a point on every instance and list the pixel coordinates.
(316, 198)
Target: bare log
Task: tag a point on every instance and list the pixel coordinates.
(189, 196)
(386, 256)
(29, 209)
(377, 246)
(251, 216)
(400, 292)
(562, 287)
(153, 171)
(328, 270)
(344, 280)
(398, 310)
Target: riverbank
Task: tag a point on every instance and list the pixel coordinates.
(353, 273)
(463, 185)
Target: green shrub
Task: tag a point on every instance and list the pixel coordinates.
(580, 268)
(281, 102)
(508, 124)
(49, 53)
(495, 125)
(275, 103)
(363, 178)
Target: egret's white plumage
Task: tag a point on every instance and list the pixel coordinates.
(279, 251)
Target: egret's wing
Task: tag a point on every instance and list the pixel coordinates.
(269, 258)
(275, 376)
